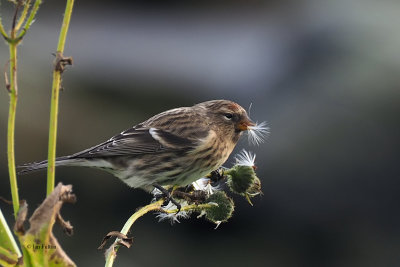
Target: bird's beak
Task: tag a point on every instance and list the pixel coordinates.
(245, 124)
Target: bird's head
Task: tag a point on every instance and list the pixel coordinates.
(227, 117)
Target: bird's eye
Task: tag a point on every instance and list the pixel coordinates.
(229, 116)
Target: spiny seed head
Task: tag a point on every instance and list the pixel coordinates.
(240, 178)
(243, 180)
(223, 211)
(255, 188)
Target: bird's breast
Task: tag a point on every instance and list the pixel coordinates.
(213, 152)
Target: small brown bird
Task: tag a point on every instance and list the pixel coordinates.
(175, 147)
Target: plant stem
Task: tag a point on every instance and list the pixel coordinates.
(6, 237)
(13, 92)
(111, 253)
(13, 41)
(30, 19)
(23, 15)
(53, 131)
(2, 31)
(191, 207)
(65, 26)
(55, 97)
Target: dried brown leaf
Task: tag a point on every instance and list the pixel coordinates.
(124, 240)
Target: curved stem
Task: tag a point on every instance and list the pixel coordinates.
(54, 98)
(111, 253)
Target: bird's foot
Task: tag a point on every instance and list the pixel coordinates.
(168, 196)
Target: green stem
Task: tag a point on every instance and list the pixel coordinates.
(23, 15)
(55, 97)
(29, 21)
(65, 26)
(7, 238)
(53, 132)
(111, 253)
(2, 31)
(13, 92)
(13, 41)
(191, 207)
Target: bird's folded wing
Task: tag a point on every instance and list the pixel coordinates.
(138, 141)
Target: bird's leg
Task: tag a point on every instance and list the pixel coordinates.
(167, 195)
(164, 192)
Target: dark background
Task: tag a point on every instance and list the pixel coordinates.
(324, 74)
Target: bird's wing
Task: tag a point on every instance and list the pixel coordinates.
(136, 141)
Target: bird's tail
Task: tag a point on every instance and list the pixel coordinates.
(35, 166)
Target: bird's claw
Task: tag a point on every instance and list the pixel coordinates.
(167, 195)
(176, 203)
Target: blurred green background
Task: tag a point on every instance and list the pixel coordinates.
(324, 74)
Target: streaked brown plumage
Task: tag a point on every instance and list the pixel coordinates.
(175, 147)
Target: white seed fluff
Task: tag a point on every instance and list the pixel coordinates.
(245, 158)
(173, 217)
(257, 133)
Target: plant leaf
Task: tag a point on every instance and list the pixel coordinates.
(40, 247)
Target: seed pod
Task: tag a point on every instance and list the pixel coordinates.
(242, 180)
(223, 211)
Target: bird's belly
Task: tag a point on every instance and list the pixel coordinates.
(176, 170)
